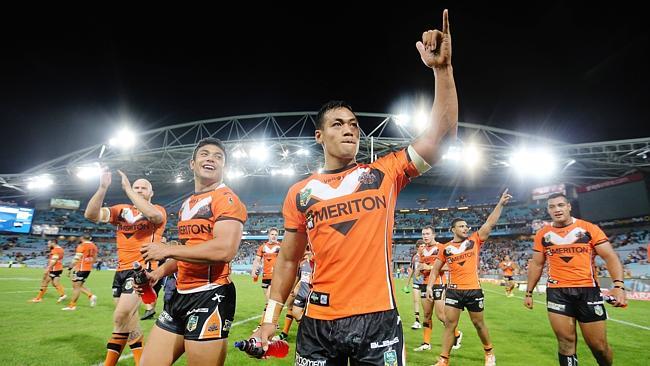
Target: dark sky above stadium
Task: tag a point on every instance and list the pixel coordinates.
(576, 72)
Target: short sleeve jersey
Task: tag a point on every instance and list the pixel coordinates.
(348, 217)
(463, 260)
(570, 253)
(269, 254)
(88, 251)
(196, 221)
(133, 230)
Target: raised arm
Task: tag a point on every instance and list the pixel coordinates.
(484, 231)
(435, 51)
(94, 210)
(144, 206)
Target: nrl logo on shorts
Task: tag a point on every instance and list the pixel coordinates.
(598, 310)
(226, 325)
(390, 358)
(192, 322)
(304, 196)
(367, 178)
(129, 284)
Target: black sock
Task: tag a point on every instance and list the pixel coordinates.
(571, 360)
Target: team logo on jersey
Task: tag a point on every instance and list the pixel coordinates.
(127, 215)
(192, 322)
(577, 235)
(390, 358)
(367, 177)
(452, 250)
(201, 209)
(305, 195)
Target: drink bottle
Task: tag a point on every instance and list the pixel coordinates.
(253, 347)
(148, 294)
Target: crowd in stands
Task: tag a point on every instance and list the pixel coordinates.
(31, 249)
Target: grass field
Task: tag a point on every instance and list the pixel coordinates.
(42, 334)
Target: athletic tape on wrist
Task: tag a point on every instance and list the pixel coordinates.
(273, 310)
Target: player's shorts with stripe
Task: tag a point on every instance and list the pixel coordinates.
(366, 339)
(585, 304)
(80, 276)
(55, 274)
(200, 316)
(461, 299)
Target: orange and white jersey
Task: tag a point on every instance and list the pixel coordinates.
(196, 220)
(348, 215)
(133, 230)
(463, 260)
(86, 254)
(428, 257)
(269, 253)
(570, 253)
(56, 254)
(508, 268)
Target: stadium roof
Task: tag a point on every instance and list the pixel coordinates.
(283, 144)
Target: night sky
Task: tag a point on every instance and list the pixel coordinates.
(574, 72)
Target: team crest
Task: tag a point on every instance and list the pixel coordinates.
(598, 309)
(304, 196)
(192, 322)
(480, 304)
(128, 284)
(390, 358)
(367, 178)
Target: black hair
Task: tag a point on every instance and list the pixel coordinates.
(556, 195)
(454, 221)
(210, 141)
(332, 104)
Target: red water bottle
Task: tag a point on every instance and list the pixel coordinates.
(148, 294)
(253, 347)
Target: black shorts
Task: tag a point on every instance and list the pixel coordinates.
(123, 282)
(461, 299)
(508, 278)
(585, 304)
(55, 274)
(416, 286)
(80, 276)
(200, 316)
(438, 292)
(266, 284)
(366, 339)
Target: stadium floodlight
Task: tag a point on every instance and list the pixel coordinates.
(469, 155)
(124, 139)
(259, 153)
(40, 182)
(421, 120)
(302, 152)
(284, 171)
(234, 174)
(402, 119)
(239, 153)
(86, 172)
(179, 179)
(537, 163)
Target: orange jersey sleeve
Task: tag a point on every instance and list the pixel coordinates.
(348, 217)
(196, 221)
(132, 230)
(463, 260)
(570, 253)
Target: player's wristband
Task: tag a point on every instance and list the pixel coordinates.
(272, 313)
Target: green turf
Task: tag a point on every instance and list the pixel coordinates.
(42, 334)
